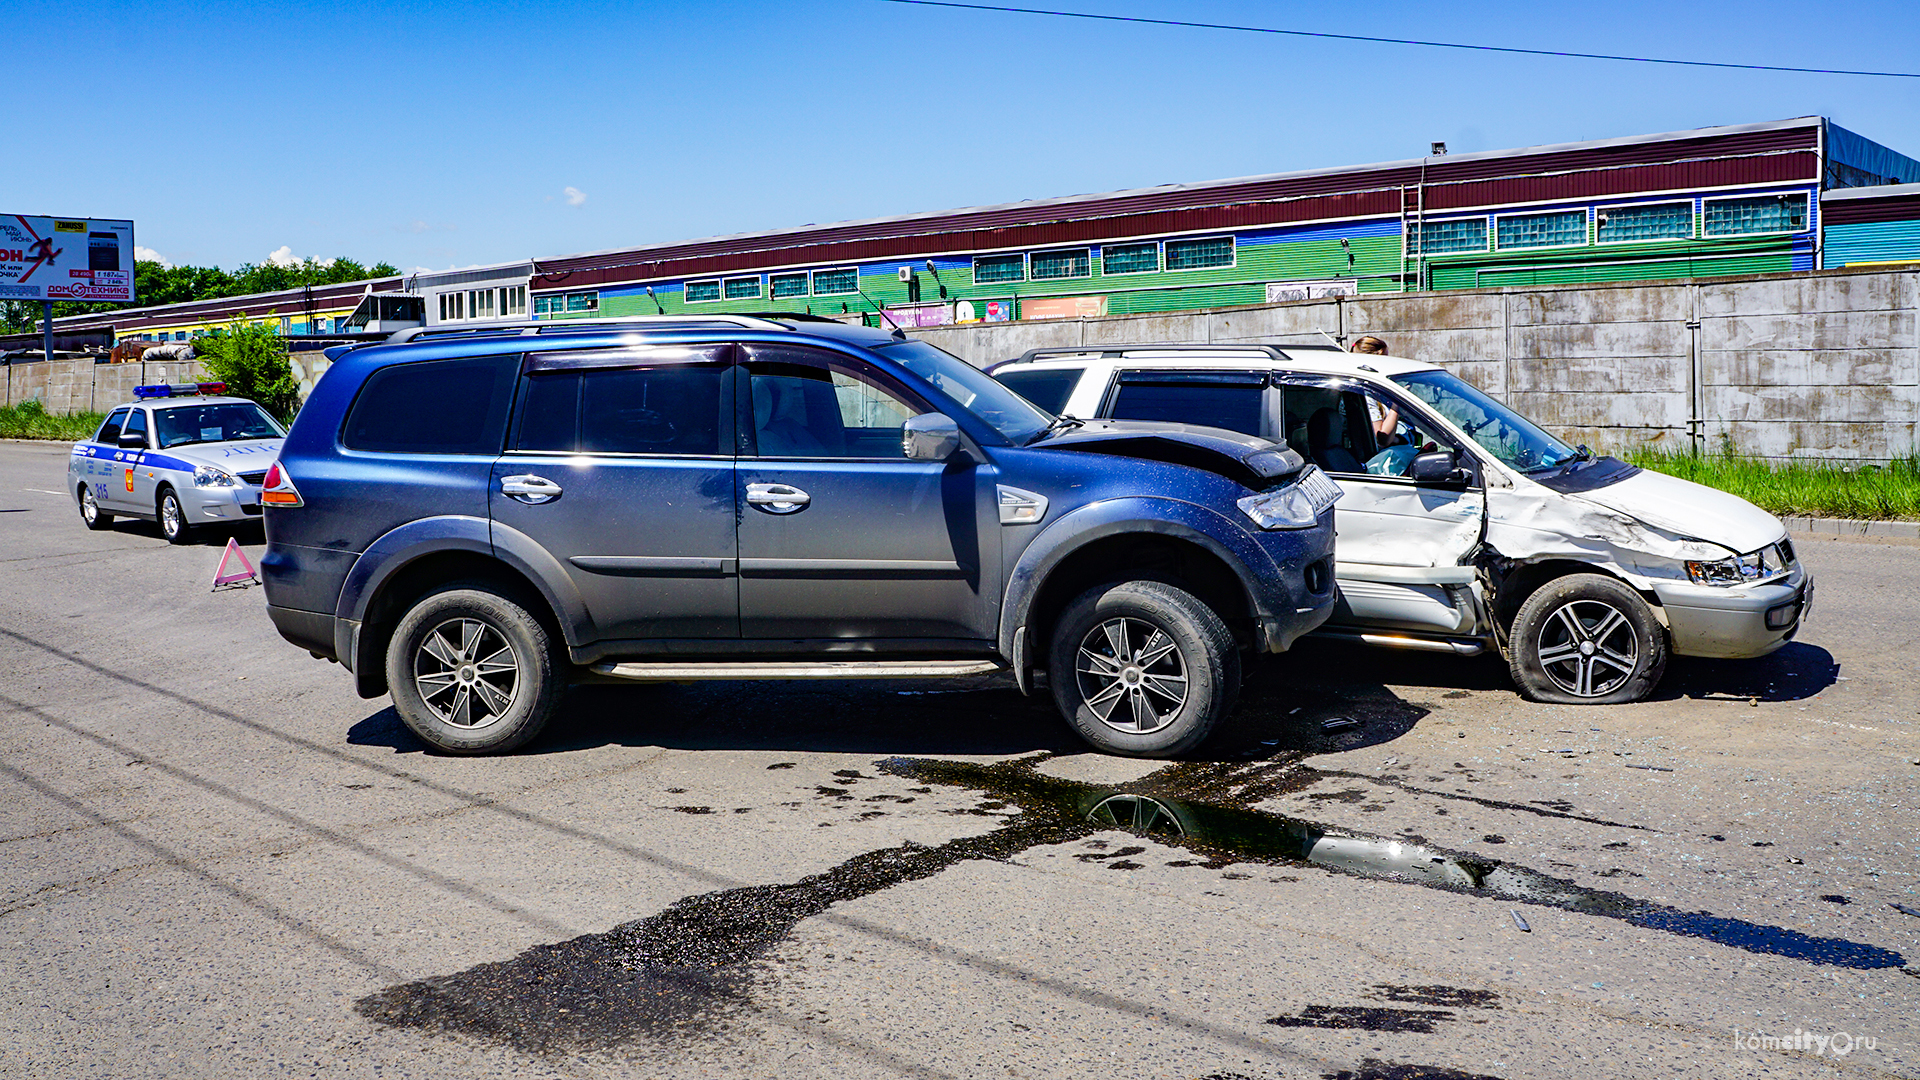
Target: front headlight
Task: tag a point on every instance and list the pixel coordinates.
(1287, 508)
(1765, 564)
(208, 476)
(1296, 506)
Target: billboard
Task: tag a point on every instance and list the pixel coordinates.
(1282, 291)
(50, 258)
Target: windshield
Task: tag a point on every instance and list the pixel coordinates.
(1498, 430)
(1009, 413)
(227, 421)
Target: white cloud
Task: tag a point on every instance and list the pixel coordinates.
(575, 196)
(284, 256)
(147, 254)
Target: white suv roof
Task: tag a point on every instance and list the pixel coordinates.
(1321, 359)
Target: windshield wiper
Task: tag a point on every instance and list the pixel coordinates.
(1580, 454)
(1057, 425)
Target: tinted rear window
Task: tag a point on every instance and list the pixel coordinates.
(1236, 408)
(434, 407)
(1047, 389)
(672, 409)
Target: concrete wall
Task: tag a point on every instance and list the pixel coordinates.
(68, 386)
(1823, 365)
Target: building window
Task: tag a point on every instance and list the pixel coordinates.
(1647, 221)
(549, 305)
(743, 288)
(513, 300)
(583, 301)
(784, 285)
(1200, 254)
(703, 292)
(453, 306)
(1562, 229)
(836, 282)
(480, 303)
(1462, 234)
(1071, 263)
(1764, 214)
(991, 269)
(1130, 258)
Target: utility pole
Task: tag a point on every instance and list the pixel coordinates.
(46, 328)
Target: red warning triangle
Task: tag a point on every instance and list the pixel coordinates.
(222, 577)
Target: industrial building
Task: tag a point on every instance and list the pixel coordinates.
(1778, 197)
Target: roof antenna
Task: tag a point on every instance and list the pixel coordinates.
(897, 332)
(1331, 340)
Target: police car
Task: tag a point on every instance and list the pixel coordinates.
(182, 455)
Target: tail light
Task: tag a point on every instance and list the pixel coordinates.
(277, 489)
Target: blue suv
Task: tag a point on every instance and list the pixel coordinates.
(470, 519)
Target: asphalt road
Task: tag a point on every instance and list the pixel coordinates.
(217, 861)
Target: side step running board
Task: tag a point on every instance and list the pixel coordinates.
(682, 671)
(1395, 641)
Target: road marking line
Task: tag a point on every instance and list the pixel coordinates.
(44, 491)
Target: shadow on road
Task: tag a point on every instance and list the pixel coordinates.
(1274, 716)
(1289, 705)
(1795, 672)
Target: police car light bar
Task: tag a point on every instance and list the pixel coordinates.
(160, 390)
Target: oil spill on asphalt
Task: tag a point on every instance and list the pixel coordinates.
(685, 970)
(1452, 997)
(1367, 1018)
(1229, 829)
(1442, 1004)
(677, 973)
(1371, 1069)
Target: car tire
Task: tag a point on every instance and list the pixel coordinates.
(472, 671)
(90, 512)
(172, 517)
(1143, 669)
(1586, 639)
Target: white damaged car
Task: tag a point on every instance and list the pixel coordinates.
(181, 455)
(1462, 525)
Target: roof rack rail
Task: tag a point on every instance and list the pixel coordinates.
(1274, 352)
(577, 326)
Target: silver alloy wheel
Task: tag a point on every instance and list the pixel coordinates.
(1137, 814)
(89, 506)
(1588, 648)
(1135, 662)
(467, 673)
(170, 519)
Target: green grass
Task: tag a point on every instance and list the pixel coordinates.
(30, 420)
(1819, 489)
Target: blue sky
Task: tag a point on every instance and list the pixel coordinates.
(441, 134)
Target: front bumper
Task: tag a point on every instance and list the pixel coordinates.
(1732, 624)
(1300, 594)
(208, 505)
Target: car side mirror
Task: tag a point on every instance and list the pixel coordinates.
(1438, 467)
(929, 437)
(135, 441)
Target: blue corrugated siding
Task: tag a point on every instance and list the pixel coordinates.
(1880, 241)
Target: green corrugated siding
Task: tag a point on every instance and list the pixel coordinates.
(1612, 262)
(1376, 261)
(1879, 241)
(1376, 266)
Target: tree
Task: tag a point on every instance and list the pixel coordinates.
(156, 283)
(251, 358)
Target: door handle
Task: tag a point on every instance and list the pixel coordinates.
(777, 498)
(529, 489)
